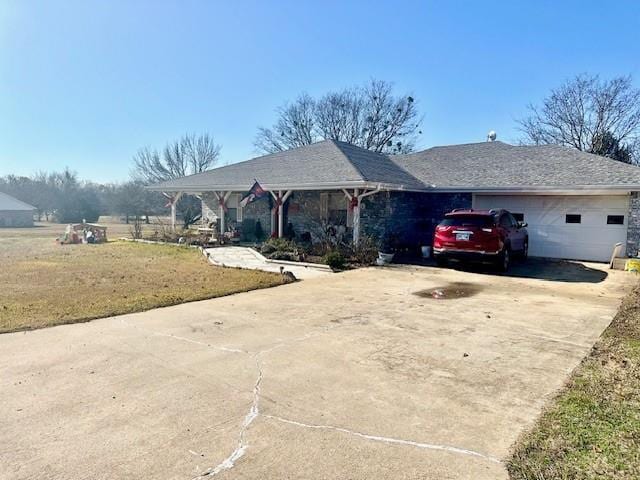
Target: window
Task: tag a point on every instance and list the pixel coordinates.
(480, 221)
(573, 218)
(615, 219)
(518, 216)
(333, 208)
(506, 221)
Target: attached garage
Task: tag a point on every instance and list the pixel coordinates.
(581, 227)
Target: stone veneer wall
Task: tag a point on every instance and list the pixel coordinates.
(409, 217)
(303, 211)
(16, 218)
(258, 210)
(633, 225)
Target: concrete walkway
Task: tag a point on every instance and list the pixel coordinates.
(244, 257)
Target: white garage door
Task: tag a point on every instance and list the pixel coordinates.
(572, 227)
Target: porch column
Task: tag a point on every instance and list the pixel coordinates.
(222, 198)
(355, 200)
(281, 200)
(173, 201)
(279, 208)
(355, 212)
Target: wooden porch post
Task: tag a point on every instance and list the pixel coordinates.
(356, 216)
(222, 198)
(173, 200)
(279, 209)
(281, 200)
(356, 199)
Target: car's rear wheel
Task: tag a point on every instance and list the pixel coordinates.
(504, 259)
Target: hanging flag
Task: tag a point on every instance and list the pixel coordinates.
(255, 193)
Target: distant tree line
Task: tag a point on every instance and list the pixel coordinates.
(62, 197)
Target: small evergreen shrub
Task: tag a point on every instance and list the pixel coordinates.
(335, 260)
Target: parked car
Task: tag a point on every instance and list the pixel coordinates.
(480, 235)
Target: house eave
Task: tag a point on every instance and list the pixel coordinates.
(543, 190)
(198, 189)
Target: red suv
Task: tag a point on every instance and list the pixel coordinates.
(481, 235)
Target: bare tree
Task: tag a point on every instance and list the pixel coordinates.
(191, 154)
(295, 127)
(371, 117)
(591, 115)
(200, 152)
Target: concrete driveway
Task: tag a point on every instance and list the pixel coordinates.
(392, 373)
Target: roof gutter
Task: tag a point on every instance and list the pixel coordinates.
(573, 189)
(289, 186)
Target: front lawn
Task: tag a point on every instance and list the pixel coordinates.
(44, 284)
(592, 429)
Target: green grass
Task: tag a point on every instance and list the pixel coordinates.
(44, 284)
(592, 429)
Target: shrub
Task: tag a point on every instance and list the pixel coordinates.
(291, 256)
(280, 244)
(280, 249)
(335, 260)
(366, 252)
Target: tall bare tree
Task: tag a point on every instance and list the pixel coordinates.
(371, 116)
(295, 127)
(591, 115)
(188, 155)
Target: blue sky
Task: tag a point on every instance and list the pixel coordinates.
(86, 83)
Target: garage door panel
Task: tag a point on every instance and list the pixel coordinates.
(551, 236)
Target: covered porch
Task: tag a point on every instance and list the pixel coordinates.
(303, 214)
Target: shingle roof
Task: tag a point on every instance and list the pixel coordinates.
(323, 163)
(473, 166)
(494, 165)
(13, 204)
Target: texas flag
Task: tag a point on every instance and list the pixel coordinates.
(255, 193)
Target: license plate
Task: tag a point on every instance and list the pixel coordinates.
(463, 236)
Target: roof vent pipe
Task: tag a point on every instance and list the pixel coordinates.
(491, 136)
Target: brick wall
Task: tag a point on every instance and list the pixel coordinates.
(633, 227)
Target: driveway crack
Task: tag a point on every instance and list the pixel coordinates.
(388, 440)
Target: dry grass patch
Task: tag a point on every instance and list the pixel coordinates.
(44, 284)
(592, 429)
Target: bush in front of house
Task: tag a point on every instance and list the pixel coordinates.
(280, 249)
(335, 260)
(366, 252)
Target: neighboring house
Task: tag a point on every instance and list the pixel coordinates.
(14, 213)
(577, 205)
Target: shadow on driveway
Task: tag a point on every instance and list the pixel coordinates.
(538, 268)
